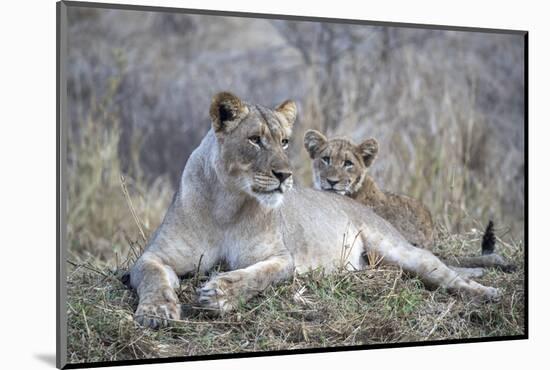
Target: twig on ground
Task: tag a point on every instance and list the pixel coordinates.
(438, 320)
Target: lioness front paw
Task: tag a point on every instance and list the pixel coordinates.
(216, 295)
(156, 315)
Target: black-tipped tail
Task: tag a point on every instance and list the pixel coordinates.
(489, 240)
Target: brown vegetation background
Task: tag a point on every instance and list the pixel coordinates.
(447, 108)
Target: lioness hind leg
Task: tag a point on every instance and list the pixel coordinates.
(431, 270)
(468, 272)
(155, 283)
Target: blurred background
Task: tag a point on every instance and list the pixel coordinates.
(447, 108)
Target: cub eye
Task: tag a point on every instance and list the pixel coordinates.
(285, 143)
(348, 163)
(326, 160)
(256, 140)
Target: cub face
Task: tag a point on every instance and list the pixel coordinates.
(338, 165)
(252, 142)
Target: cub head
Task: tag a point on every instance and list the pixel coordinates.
(252, 142)
(339, 165)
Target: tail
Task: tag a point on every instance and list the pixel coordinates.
(488, 249)
(489, 240)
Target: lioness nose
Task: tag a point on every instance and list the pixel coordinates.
(282, 176)
(332, 182)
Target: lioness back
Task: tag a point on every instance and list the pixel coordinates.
(301, 218)
(341, 167)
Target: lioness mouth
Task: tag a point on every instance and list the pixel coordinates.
(278, 190)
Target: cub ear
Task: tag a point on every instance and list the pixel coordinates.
(314, 141)
(368, 150)
(226, 110)
(288, 110)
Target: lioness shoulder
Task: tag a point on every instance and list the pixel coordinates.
(340, 166)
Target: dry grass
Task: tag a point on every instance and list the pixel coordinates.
(378, 305)
(99, 219)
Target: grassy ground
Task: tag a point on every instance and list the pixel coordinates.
(378, 305)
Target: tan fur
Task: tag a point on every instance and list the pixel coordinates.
(409, 216)
(236, 203)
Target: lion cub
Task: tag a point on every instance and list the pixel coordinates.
(340, 166)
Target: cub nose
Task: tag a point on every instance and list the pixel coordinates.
(332, 182)
(281, 176)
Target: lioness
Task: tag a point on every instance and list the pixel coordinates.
(341, 167)
(236, 203)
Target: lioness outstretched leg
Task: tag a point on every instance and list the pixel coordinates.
(430, 269)
(223, 291)
(155, 283)
(468, 272)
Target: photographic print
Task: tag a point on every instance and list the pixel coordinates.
(237, 184)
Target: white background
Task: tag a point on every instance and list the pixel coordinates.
(28, 180)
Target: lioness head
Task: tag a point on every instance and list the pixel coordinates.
(252, 142)
(339, 165)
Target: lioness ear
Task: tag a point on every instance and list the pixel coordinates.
(226, 111)
(314, 141)
(288, 110)
(368, 150)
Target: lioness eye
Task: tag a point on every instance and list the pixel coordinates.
(326, 160)
(256, 140)
(348, 163)
(285, 143)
